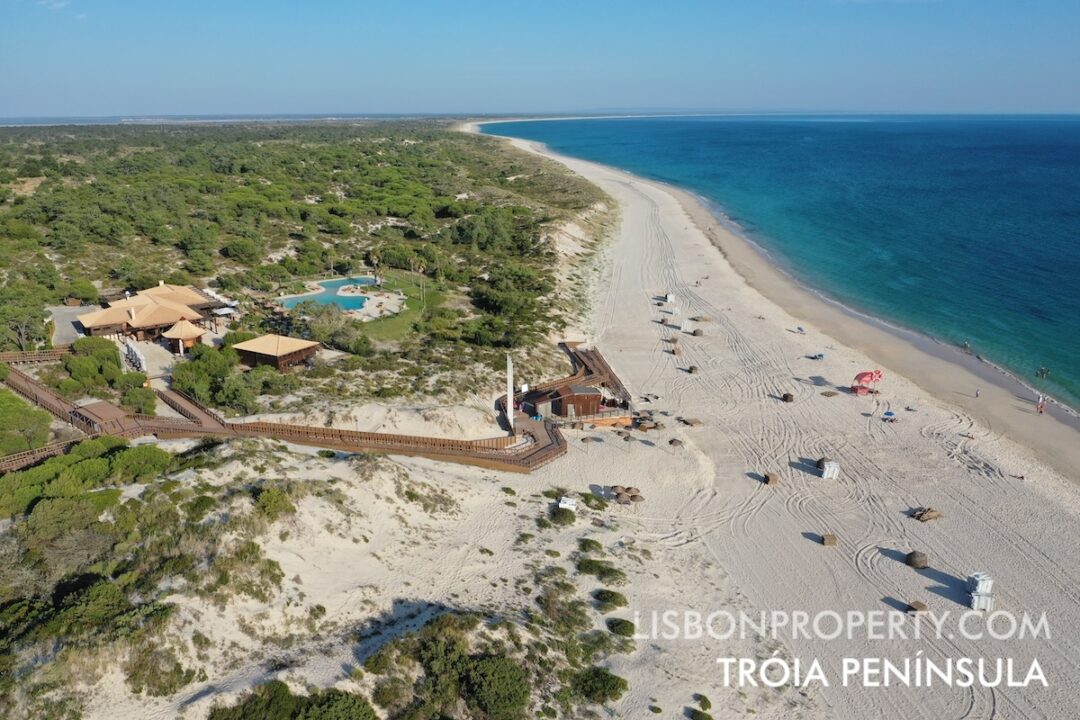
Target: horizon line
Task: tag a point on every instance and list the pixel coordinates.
(181, 118)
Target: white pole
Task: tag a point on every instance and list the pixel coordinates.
(510, 391)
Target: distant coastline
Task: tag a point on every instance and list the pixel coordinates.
(938, 367)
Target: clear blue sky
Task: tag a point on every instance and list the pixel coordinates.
(150, 57)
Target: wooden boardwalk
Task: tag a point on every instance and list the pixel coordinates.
(533, 444)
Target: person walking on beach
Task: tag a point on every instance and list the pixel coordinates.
(977, 392)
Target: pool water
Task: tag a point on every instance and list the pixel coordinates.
(329, 295)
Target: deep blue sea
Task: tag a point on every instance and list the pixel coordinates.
(966, 229)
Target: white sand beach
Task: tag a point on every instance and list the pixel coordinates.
(710, 536)
(952, 453)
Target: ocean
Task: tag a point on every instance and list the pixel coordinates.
(965, 229)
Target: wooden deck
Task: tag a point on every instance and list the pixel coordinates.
(533, 444)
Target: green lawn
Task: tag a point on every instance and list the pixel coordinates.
(396, 328)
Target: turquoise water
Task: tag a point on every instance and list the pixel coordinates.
(966, 229)
(329, 294)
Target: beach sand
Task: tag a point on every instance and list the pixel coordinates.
(710, 536)
(955, 452)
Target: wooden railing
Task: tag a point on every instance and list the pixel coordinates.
(35, 356)
(38, 394)
(26, 458)
(370, 439)
(537, 444)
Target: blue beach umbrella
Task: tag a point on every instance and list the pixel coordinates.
(889, 414)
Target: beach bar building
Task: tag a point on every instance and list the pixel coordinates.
(576, 401)
(277, 350)
(149, 313)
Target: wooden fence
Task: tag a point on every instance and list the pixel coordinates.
(38, 394)
(35, 356)
(19, 460)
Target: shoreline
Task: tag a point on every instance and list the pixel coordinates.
(1006, 403)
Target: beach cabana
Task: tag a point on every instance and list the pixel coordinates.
(277, 350)
(183, 336)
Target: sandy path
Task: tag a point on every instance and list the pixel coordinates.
(763, 538)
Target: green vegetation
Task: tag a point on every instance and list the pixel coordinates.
(588, 545)
(597, 685)
(562, 516)
(497, 686)
(22, 427)
(608, 600)
(210, 377)
(601, 569)
(80, 569)
(453, 667)
(623, 628)
(457, 223)
(695, 714)
(273, 701)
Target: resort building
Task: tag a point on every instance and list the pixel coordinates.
(276, 350)
(148, 313)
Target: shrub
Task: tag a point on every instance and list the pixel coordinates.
(380, 661)
(197, 508)
(608, 600)
(695, 714)
(130, 381)
(54, 517)
(271, 701)
(141, 400)
(157, 671)
(22, 427)
(389, 693)
(703, 702)
(586, 545)
(597, 685)
(78, 478)
(272, 503)
(140, 463)
(602, 570)
(593, 501)
(623, 628)
(498, 686)
(562, 516)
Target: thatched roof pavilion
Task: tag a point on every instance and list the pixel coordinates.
(184, 334)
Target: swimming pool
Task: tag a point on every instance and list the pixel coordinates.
(329, 295)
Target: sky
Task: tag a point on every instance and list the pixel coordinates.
(82, 58)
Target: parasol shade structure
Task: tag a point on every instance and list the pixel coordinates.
(869, 377)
